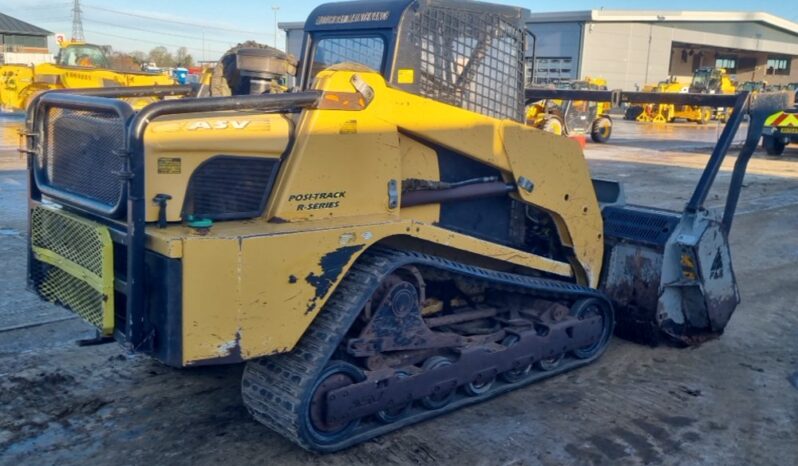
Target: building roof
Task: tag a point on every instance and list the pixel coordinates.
(638, 16)
(664, 16)
(9, 25)
(291, 25)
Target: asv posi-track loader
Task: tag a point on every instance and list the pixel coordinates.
(384, 245)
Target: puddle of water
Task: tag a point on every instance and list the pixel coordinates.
(8, 232)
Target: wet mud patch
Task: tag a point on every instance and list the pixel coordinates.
(35, 401)
(638, 441)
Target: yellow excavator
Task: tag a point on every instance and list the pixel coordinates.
(78, 65)
(386, 244)
(704, 81)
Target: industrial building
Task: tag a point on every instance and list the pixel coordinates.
(22, 42)
(631, 48)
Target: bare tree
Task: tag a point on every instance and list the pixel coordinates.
(161, 57)
(139, 57)
(183, 58)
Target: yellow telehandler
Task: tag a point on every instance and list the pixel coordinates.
(78, 65)
(567, 117)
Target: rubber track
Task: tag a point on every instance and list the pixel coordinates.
(272, 387)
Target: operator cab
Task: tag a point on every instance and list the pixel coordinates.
(82, 55)
(474, 62)
(753, 86)
(706, 81)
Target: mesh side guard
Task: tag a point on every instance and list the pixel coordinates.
(75, 265)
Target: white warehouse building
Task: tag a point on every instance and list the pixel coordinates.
(632, 48)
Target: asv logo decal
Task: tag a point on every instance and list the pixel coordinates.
(219, 124)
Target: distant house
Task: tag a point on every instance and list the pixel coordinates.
(22, 42)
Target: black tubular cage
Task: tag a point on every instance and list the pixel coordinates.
(120, 202)
(471, 59)
(464, 53)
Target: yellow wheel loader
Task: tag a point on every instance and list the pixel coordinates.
(386, 244)
(78, 65)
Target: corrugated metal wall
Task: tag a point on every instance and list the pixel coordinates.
(627, 55)
(630, 55)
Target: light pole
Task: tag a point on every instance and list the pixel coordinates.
(274, 9)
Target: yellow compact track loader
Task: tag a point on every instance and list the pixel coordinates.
(386, 244)
(78, 66)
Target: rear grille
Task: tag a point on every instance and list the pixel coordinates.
(639, 224)
(228, 187)
(73, 265)
(78, 154)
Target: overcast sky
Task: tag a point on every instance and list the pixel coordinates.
(209, 27)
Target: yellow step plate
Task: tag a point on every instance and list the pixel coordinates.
(74, 264)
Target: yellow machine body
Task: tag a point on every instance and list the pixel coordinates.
(252, 287)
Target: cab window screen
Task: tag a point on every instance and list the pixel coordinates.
(83, 56)
(367, 51)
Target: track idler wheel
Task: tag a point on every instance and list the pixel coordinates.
(590, 307)
(514, 375)
(336, 375)
(442, 398)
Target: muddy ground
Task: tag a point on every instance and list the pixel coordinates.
(731, 401)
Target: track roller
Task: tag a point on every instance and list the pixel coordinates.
(440, 397)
